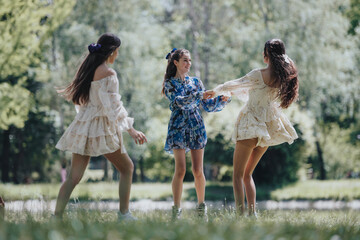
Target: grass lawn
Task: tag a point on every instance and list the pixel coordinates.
(223, 224)
(346, 190)
(308, 190)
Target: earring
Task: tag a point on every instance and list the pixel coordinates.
(112, 54)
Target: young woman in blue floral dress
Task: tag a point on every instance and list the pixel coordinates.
(186, 130)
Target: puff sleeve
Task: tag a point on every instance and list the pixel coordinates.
(112, 104)
(212, 104)
(183, 101)
(239, 87)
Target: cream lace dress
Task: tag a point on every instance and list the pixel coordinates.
(97, 127)
(261, 117)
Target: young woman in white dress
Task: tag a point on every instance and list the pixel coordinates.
(260, 123)
(99, 123)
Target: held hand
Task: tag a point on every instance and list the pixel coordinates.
(224, 98)
(209, 94)
(138, 136)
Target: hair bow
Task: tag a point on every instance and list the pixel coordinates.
(94, 47)
(168, 55)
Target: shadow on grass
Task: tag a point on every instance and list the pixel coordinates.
(225, 193)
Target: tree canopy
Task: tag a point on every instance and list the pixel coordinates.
(43, 43)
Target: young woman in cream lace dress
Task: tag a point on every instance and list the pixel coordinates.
(98, 126)
(260, 123)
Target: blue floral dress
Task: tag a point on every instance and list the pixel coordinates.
(186, 129)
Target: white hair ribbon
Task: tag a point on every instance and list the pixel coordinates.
(286, 58)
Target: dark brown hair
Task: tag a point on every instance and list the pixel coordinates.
(283, 72)
(171, 68)
(78, 90)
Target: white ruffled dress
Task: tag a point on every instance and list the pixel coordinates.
(261, 117)
(98, 125)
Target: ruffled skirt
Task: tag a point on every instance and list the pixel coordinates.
(186, 130)
(270, 128)
(93, 137)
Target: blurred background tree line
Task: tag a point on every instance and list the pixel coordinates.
(43, 42)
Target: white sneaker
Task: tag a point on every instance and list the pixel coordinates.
(126, 217)
(176, 213)
(253, 215)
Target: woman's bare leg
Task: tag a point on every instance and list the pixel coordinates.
(78, 167)
(178, 178)
(242, 153)
(197, 159)
(125, 166)
(250, 188)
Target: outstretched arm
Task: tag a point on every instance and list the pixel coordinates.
(238, 86)
(211, 104)
(184, 102)
(215, 104)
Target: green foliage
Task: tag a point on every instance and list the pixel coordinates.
(158, 164)
(340, 163)
(219, 150)
(25, 25)
(354, 15)
(15, 103)
(43, 43)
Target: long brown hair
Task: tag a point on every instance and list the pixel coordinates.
(78, 90)
(283, 71)
(171, 68)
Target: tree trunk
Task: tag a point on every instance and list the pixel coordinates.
(16, 160)
(106, 170)
(265, 15)
(134, 173)
(194, 33)
(207, 48)
(5, 156)
(321, 161)
(141, 167)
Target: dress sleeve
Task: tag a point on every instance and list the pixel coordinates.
(238, 87)
(212, 104)
(176, 97)
(113, 106)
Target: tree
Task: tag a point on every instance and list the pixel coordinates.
(25, 25)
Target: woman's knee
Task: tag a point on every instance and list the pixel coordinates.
(131, 167)
(198, 172)
(247, 177)
(180, 172)
(238, 173)
(128, 168)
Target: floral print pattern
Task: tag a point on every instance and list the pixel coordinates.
(186, 129)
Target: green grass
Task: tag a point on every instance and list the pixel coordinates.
(223, 224)
(345, 190)
(308, 190)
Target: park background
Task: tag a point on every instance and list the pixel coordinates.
(42, 42)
